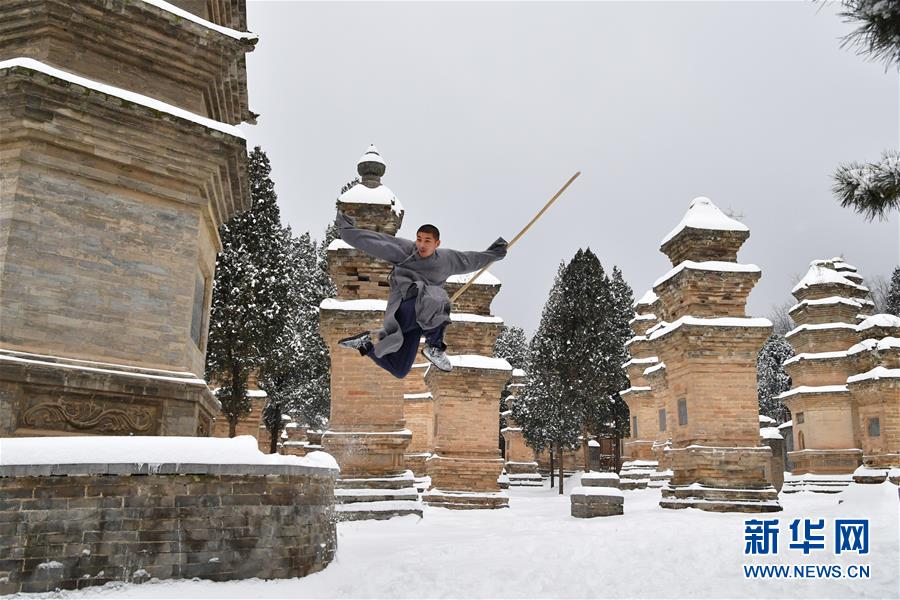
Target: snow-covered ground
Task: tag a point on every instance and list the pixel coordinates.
(535, 549)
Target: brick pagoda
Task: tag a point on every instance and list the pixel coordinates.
(709, 348)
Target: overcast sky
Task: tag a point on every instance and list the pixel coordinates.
(483, 110)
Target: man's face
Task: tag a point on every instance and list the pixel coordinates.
(426, 244)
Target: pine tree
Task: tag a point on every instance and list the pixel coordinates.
(251, 292)
(771, 378)
(872, 189)
(893, 295)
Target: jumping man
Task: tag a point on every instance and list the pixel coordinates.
(417, 304)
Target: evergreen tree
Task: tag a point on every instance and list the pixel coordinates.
(251, 292)
(512, 345)
(872, 189)
(771, 378)
(893, 295)
(575, 359)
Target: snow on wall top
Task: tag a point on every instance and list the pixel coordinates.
(242, 449)
(709, 265)
(339, 244)
(238, 35)
(711, 322)
(647, 299)
(827, 301)
(819, 275)
(646, 317)
(874, 374)
(810, 389)
(361, 194)
(880, 320)
(703, 214)
(486, 278)
(424, 396)
(34, 65)
(818, 326)
(335, 304)
(878, 345)
(786, 424)
(518, 372)
(650, 360)
(766, 419)
(476, 361)
(473, 318)
(654, 368)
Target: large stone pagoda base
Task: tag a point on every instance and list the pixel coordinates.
(46, 395)
(720, 480)
(466, 464)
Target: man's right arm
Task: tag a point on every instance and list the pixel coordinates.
(380, 245)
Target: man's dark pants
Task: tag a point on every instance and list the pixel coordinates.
(400, 363)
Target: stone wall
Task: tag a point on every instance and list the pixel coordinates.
(71, 526)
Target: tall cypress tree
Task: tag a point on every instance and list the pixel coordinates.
(512, 345)
(575, 358)
(251, 292)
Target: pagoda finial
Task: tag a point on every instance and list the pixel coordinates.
(371, 167)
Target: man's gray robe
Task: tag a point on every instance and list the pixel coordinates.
(411, 270)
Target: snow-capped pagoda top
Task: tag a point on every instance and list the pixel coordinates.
(705, 233)
(372, 203)
(838, 264)
(822, 281)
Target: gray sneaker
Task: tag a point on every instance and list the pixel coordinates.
(438, 358)
(360, 341)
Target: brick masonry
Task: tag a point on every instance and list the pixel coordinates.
(71, 526)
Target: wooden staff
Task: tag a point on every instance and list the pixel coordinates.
(519, 235)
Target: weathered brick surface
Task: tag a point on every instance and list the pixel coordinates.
(106, 528)
(181, 63)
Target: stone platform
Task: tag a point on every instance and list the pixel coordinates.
(466, 500)
(377, 498)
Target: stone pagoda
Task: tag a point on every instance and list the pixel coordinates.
(708, 386)
(842, 378)
(367, 432)
(640, 461)
(521, 466)
(466, 463)
(120, 160)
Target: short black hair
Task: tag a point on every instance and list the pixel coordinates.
(430, 230)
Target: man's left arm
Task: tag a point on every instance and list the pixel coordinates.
(467, 262)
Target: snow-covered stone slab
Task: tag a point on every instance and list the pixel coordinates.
(589, 502)
(767, 419)
(128, 95)
(831, 300)
(377, 511)
(519, 373)
(646, 317)
(703, 214)
(339, 244)
(476, 361)
(603, 480)
(422, 396)
(864, 474)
